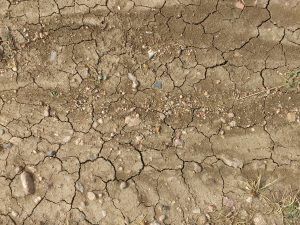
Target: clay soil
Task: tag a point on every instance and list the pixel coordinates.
(180, 112)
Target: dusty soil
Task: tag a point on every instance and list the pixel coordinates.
(119, 112)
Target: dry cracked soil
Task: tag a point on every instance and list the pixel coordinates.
(156, 112)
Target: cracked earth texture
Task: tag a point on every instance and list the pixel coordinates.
(147, 111)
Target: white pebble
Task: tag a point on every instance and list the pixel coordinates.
(123, 185)
(91, 196)
(37, 199)
(232, 124)
(162, 218)
(79, 187)
(230, 115)
(27, 183)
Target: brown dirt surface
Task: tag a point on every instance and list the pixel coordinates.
(118, 112)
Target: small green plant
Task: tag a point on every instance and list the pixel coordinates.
(288, 204)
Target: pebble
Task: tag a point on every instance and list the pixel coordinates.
(196, 211)
(51, 153)
(291, 117)
(14, 213)
(133, 120)
(1, 52)
(230, 115)
(178, 143)
(239, 4)
(157, 84)
(37, 199)
(91, 196)
(249, 200)
(27, 183)
(232, 123)
(162, 218)
(2, 131)
(7, 146)
(123, 185)
(133, 79)
(79, 186)
(151, 54)
(103, 212)
(235, 163)
(53, 56)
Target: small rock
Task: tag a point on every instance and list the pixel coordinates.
(151, 54)
(291, 117)
(232, 123)
(157, 84)
(82, 205)
(14, 213)
(18, 169)
(51, 153)
(196, 211)
(1, 52)
(162, 218)
(249, 199)
(37, 199)
(7, 146)
(235, 163)
(259, 220)
(239, 4)
(103, 213)
(79, 186)
(53, 56)
(27, 183)
(123, 185)
(2, 131)
(178, 143)
(100, 121)
(132, 121)
(230, 115)
(91, 196)
(135, 82)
